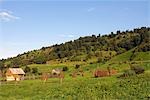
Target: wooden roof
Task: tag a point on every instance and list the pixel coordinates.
(16, 70)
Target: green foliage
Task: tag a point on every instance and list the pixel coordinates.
(2, 69)
(99, 60)
(65, 68)
(137, 69)
(1, 65)
(133, 71)
(27, 69)
(144, 47)
(34, 70)
(130, 43)
(16, 62)
(77, 66)
(40, 59)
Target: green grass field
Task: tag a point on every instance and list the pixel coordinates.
(106, 88)
(136, 87)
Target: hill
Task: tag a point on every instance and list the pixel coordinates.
(90, 49)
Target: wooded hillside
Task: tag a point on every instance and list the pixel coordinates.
(103, 47)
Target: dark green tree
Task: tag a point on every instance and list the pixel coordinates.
(34, 70)
(65, 68)
(27, 69)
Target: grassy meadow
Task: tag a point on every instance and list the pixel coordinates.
(106, 88)
(136, 87)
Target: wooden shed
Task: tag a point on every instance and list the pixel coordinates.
(15, 74)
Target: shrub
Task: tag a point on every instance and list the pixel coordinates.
(84, 60)
(27, 69)
(133, 71)
(137, 69)
(99, 60)
(77, 66)
(34, 70)
(39, 73)
(91, 62)
(65, 69)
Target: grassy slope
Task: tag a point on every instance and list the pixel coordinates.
(142, 56)
(119, 62)
(122, 57)
(136, 87)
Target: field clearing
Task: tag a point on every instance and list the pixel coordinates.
(106, 88)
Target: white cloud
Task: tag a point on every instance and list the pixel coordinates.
(91, 9)
(7, 16)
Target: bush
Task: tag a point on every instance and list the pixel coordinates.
(137, 69)
(27, 69)
(99, 60)
(65, 69)
(39, 73)
(91, 62)
(77, 66)
(133, 71)
(34, 70)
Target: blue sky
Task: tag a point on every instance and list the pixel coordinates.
(31, 24)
